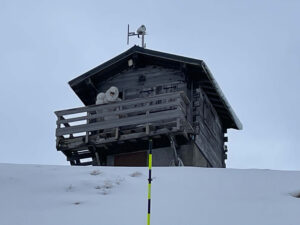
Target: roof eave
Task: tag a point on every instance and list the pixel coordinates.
(237, 123)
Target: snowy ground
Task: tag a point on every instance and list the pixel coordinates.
(63, 195)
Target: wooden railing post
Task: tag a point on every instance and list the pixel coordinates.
(87, 133)
(147, 125)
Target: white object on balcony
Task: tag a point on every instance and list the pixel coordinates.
(100, 98)
(112, 94)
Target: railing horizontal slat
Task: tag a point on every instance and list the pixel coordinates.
(142, 119)
(119, 104)
(141, 109)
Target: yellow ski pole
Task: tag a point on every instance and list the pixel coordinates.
(149, 180)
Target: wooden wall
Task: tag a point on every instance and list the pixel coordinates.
(151, 80)
(210, 136)
(146, 81)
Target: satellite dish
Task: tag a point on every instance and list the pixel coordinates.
(100, 98)
(112, 94)
(141, 30)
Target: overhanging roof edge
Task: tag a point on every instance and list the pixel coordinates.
(236, 120)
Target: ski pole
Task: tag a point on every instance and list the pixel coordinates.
(149, 180)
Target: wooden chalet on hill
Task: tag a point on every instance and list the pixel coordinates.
(172, 99)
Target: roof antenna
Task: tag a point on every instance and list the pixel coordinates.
(141, 31)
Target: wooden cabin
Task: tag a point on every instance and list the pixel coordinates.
(171, 99)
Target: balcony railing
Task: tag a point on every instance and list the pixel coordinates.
(124, 120)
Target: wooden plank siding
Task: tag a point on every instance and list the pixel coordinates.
(144, 82)
(208, 128)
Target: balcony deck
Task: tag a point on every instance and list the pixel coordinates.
(102, 126)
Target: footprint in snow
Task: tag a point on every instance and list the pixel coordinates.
(95, 172)
(136, 174)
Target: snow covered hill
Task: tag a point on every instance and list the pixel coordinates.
(64, 195)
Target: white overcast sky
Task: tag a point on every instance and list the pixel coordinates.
(251, 47)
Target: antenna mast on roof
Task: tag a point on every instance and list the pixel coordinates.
(141, 31)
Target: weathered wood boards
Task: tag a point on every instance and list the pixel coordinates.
(123, 121)
(209, 129)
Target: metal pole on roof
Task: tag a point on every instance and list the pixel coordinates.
(141, 31)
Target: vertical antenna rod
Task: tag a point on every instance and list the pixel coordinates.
(141, 31)
(128, 35)
(149, 180)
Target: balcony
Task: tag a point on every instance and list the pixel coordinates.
(108, 126)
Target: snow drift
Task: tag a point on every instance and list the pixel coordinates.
(64, 195)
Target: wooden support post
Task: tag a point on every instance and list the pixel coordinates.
(57, 122)
(57, 141)
(97, 159)
(65, 124)
(87, 137)
(147, 125)
(87, 133)
(147, 129)
(117, 133)
(178, 123)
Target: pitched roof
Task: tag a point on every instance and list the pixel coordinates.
(196, 68)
